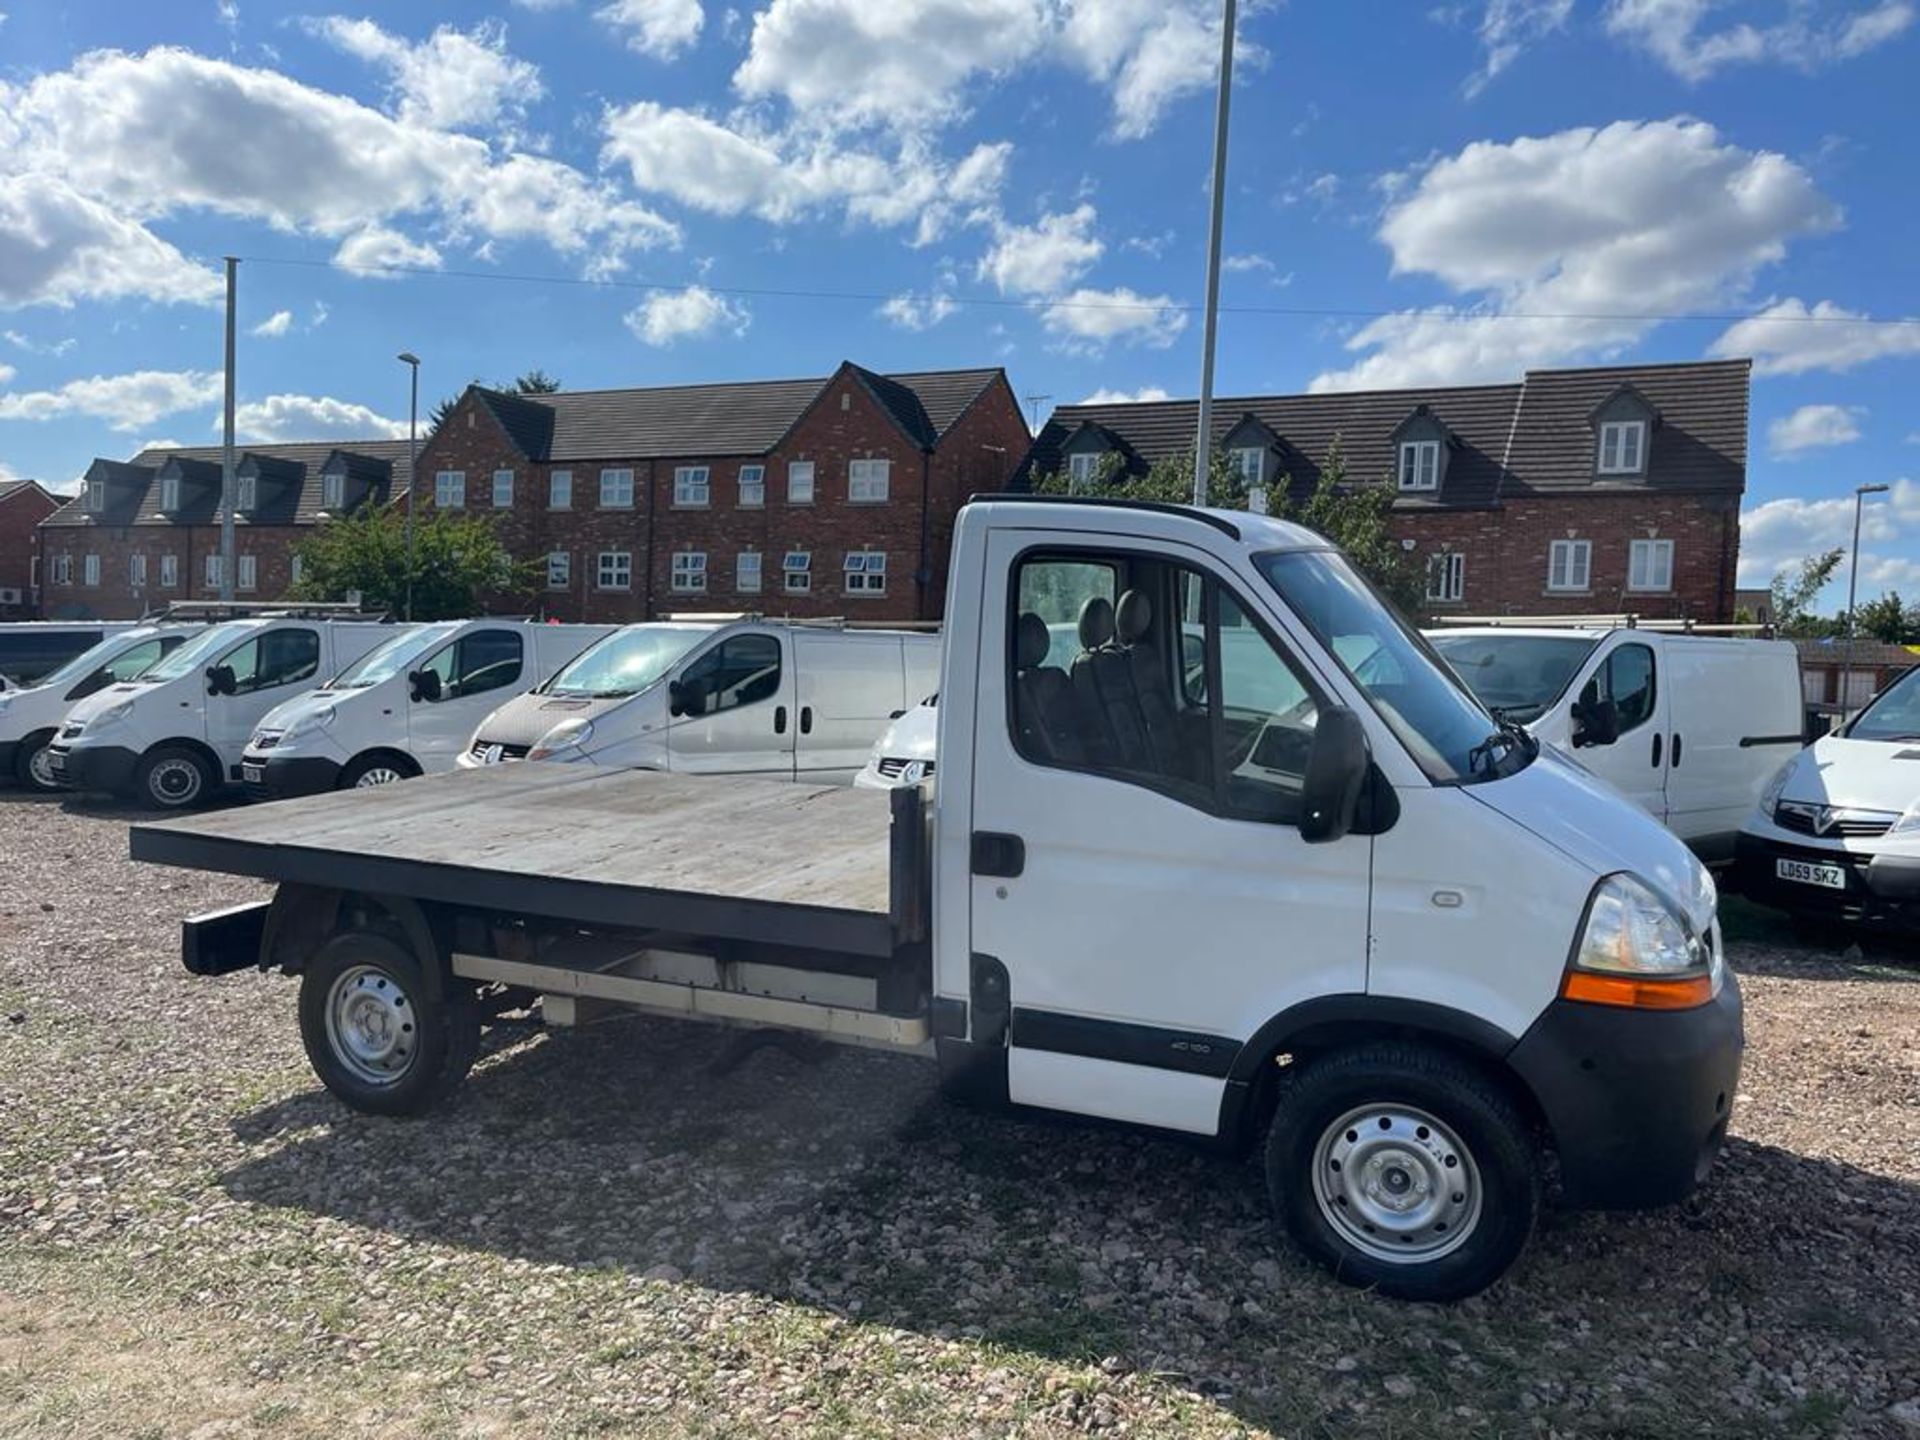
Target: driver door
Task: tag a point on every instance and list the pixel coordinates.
(479, 664)
(271, 666)
(737, 709)
(1628, 674)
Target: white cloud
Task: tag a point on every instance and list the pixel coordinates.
(274, 326)
(1042, 258)
(1245, 264)
(918, 312)
(1789, 338)
(7, 372)
(58, 246)
(454, 79)
(1674, 33)
(125, 402)
(1508, 27)
(1152, 52)
(1779, 534)
(311, 417)
(1814, 427)
(1086, 321)
(1618, 223)
(661, 28)
(376, 248)
(1142, 396)
(540, 5)
(684, 314)
(25, 342)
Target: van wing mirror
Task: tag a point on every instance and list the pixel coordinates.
(1336, 771)
(676, 698)
(1596, 724)
(424, 685)
(220, 680)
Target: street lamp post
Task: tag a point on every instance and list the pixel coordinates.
(1860, 492)
(412, 362)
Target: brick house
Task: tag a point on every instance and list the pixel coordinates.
(1602, 490)
(23, 505)
(146, 531)
(832, 496)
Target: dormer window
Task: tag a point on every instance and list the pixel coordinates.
(1081, 468)
(1623, 447)
(96, 496)
(1420, 465)
(333, 490)
(170, 494)
(248, 495)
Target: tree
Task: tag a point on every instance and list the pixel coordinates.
(533, 382)
(457, 559)
(1793, 597)
(1886, 619)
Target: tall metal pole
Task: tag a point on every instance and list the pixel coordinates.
(412, 362)
(227, 481)
(1860, 492)
(1203, 431)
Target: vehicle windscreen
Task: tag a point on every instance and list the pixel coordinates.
(190, 656)
(1894, 714)
(1517, 677)
(85, 663)
(625, 663)
(1446, 730)
(390, 657)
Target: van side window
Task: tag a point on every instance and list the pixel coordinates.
(1625, 677)
(740, 670)
(477, 663)
(279, 657)
(1162, 680)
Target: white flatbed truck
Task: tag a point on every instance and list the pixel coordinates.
(1253, 865)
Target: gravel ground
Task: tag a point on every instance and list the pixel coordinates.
(640, 1229)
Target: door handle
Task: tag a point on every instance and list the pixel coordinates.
(998, 854)
(1676, 750)
(806, 719)
(1656, 751)
(779, 719)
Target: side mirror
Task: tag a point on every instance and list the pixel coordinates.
(220, 680)
(1336, 771)
(1596, 724)
(676, 698)
(424, 685)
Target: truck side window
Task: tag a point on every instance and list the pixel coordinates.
(1625, 677)
(476, 663)
(279, 657)
(740, 670)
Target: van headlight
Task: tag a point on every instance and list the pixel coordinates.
(1907, 824)
(112, 715)
(1770, 796)
(311, 721)
(567, 735)
(1638, 950)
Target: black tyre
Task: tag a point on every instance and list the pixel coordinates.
(30, 766)
(380, 767)
(377, 1032)
(1404, 1170)
(174, 777)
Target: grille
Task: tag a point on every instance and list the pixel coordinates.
(1840, 824)
(266, 739)
(483, 749)
(891, 766)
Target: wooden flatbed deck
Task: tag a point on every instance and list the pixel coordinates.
(730, 858)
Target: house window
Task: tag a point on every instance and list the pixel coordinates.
(1249, 463)
(1447, 577)
(800, 482)
(560, 490)
(450, 490)
(690, 488)
(170, 494)
(866, 572)
(63, 569)
(503, 489)
(1623, 445)
(213, 572)
(615, 569)
(1081, 468)
(96, 496)
(1569, 564)
(249, 573)
(248, 497)
(1650, 565)
(137, 571)
(559, 570)
(689, 572)
(796, 572)
(753, 486)
(1420, 465)
(90, 570)
(296, 568)
(746, 572)
(333, 490)
(616, 489)
(170, 572)
(867, 481)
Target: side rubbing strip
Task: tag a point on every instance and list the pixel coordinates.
(1188, 1051)
(1747, 742)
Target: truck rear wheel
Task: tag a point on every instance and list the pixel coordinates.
(1404, 1170)
(377, 1034)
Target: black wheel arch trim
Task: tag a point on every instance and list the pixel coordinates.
(1390, 1012)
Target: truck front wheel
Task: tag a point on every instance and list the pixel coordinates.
(1404, 1170)
(376, 1033)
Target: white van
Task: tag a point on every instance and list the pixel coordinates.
(30, 650)
(30, 717)
(174, 736)
(1687, 726)
(406, 707)
(903, 755)
(724, 698)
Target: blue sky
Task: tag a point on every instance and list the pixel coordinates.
(1431, 194)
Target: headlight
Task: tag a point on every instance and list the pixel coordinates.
(567, 735)
(1637, 950)
(1908, 822)
(313, 720)
(112, 715)
(6, 702)
(1770, 796)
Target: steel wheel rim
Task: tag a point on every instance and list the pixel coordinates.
(378, 775)
(370, 1025)
(175, 781)
(1397, 1184)
(40, 767)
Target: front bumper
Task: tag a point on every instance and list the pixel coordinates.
(1881, 890)
(285, 777)
(9, 752)
(1637, 1100)
(93, 767)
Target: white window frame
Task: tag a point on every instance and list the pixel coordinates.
(692, 487)
(169, 572)
(96, 496)
(246, 573)
(688, 575)
(753, 487)
(211, 571)
(1614, 437)
(865, 574)
(1650, 566)
(560, 490)
(869, 481)
(246, 496)
(503, 489)
(1419, 466)
(1082, 466)
(796, 572)
(333, 490)
(63, 569)
(1250, 463)
(90, 571)
(1447, 576)
(747, 574)
(1561, 558)
(137, 570)
(615, 563)
(559, 570)
(800, 482)
(616, 489)
(450, 490)
(170, 494)
(296, 568)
